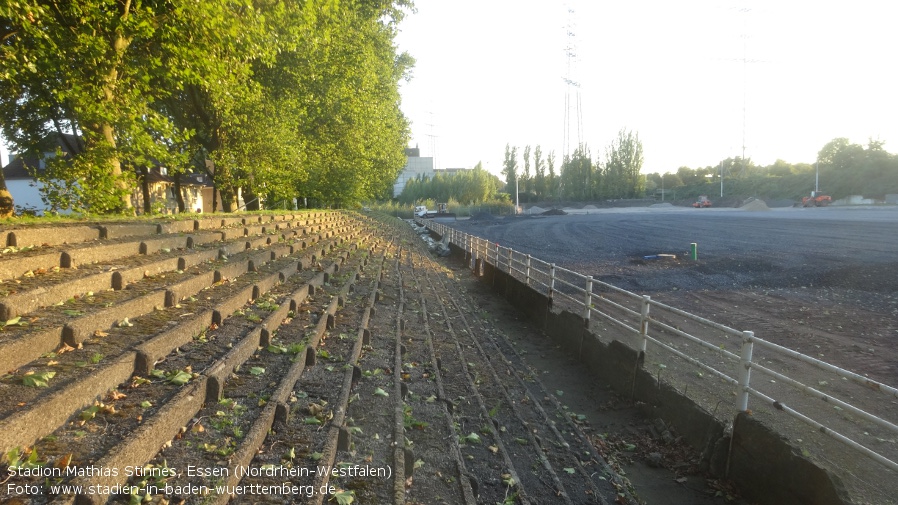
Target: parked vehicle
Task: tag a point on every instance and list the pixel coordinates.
(703, 202)
(817, 199)
(442, 211)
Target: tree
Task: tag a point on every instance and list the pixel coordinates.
(89, 68)
(539, 167)
(552, 181)
(579, 179)
(623, 166)
(287, 98)
(510, 168)
(525, 179)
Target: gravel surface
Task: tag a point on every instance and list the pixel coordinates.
(823, 281)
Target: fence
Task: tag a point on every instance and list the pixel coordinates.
(644, 321)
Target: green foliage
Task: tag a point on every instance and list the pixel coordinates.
(623, 164)
(510, 168)
(844, 169)
(580, 178)
(288, 99)
(38, 380)
(466, 187)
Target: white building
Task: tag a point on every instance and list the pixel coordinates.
(415, 166)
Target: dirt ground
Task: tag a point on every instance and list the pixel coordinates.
(823, 282)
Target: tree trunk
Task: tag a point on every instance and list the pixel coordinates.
(119, 45)
(6, 204)
(250, 199)
(179, 197)
(227, 199)
(145, 189)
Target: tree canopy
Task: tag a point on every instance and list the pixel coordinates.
(287, 99)
(842, 168)
(465, 187)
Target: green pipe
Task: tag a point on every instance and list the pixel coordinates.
(693, 251)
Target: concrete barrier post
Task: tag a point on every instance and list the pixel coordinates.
(644, 321)
(745, 369)
(475, 255)
(588, 309)
(527, 274)
(551, 292)
(510, 260)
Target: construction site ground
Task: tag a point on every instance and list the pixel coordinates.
(822, 281)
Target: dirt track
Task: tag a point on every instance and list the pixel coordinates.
(821, 281)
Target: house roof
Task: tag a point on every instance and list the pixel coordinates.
(21, 166)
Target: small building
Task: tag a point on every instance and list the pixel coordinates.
(160, 187)
(415, 166)
(26, 190)
(18, 173)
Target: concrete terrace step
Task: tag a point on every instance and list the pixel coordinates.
(24, 344)
(141, 355)
(216, 381)
(19, 431)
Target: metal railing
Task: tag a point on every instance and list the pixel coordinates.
(644, 321)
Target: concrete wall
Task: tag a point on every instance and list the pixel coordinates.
(762, 463)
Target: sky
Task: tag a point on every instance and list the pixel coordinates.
(692, 77)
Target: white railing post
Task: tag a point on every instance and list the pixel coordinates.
(497, 258)
(551, 281)
(476, 255)
(588, 312)
(644, 321)
(510, 259)
(745, 369)
(527, 274)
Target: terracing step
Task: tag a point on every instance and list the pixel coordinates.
(37, 333)
(143, 340)
(109, 358)
(251, 388)
(36, 248)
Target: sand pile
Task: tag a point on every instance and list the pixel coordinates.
(590, 207)
(534, 210)
(755, 204)
(554, 212)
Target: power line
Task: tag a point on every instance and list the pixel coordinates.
(570, 52)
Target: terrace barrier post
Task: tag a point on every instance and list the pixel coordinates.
(588, 312)
(527, 275)
(644, 321)
(510, 259)
(485, 251)
(551, 292)
(476, 249)
(745, 369)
